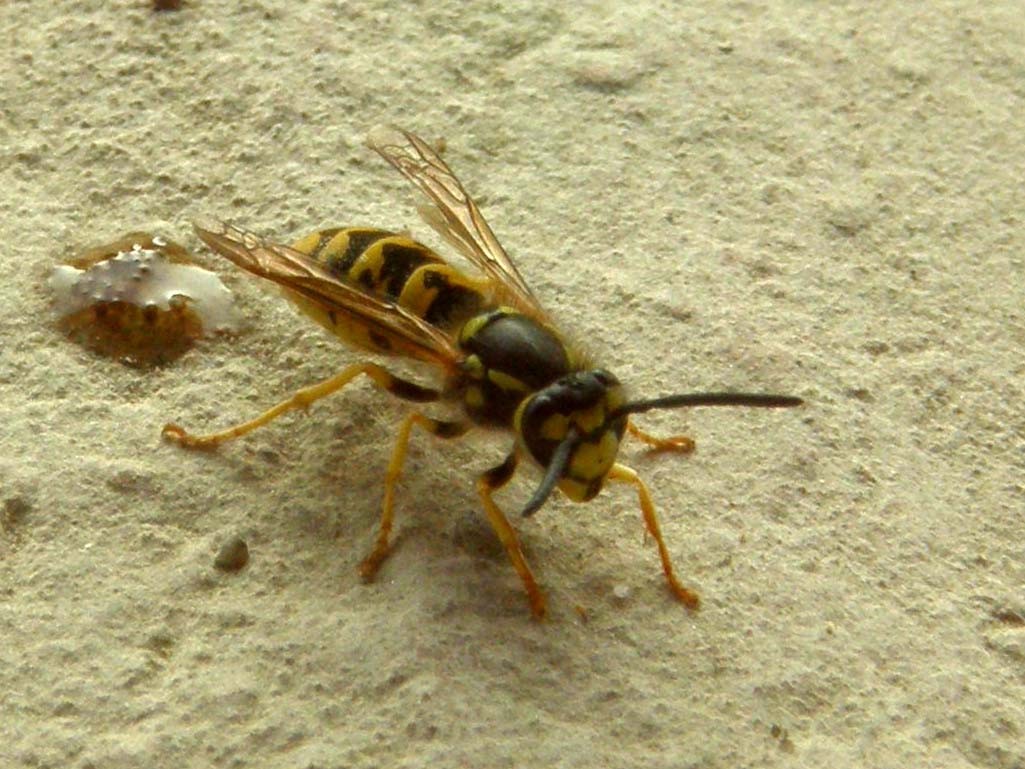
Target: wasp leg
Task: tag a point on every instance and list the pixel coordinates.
(680, 443)
(624, 474)
(491, 481)
(302, 399)
(369, 566)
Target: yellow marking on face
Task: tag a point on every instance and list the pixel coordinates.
(517, 420)
(574, 490)
(555, 427)
(506, 382)
(590, 419)
(614, 398)
(593, 460)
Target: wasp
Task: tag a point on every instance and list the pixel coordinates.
(498, 356)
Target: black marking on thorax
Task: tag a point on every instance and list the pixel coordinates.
(517, 347)
(520, 347)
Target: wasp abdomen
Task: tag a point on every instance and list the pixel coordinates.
(396, 268)
(442, 295)
(376, 261)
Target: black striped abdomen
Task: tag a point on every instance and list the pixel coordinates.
(396, 268)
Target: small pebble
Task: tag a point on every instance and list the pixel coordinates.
(15, 510)
(233, 555)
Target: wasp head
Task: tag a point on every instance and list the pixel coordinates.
(572, 428)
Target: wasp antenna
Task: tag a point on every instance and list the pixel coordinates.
(552, 474)
(754, 400)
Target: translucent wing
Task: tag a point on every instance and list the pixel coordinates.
(455, 216)
(406, 333)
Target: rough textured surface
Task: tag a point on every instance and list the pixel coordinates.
(787, 196)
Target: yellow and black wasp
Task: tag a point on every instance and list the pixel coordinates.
(501, 359)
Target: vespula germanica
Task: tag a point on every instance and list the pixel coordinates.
(501, 360)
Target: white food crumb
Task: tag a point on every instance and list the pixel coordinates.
(145, 277)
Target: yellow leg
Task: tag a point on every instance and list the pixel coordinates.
(369, 566)
(624, 474)
(680, 443)
(302, 399)
(489, 482)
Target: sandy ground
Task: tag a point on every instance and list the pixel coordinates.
(809, 198)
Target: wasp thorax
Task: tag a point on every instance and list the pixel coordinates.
(581, 407)
(509, 356)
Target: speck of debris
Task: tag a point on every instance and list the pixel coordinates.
(606, 70)
(860, 393)
(1009, 617)
(167, 5)
(783, 737)
(850, 218)
(233, 555)
(16, 509)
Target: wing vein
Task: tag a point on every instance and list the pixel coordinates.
(455, 215)
(407, 333)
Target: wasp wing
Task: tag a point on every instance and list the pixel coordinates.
(455, 215)
(407, 334)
